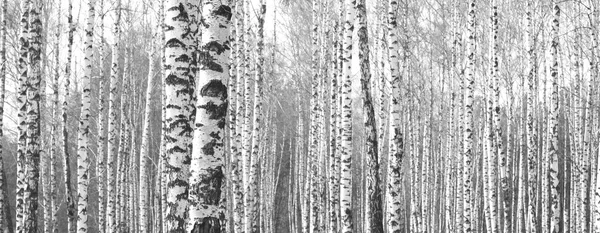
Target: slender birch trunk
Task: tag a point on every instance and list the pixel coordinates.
(112, 156)
(143, 201)
(238, 159)
(70, 203)
(553, 126)
(100, 159)
(532, 154)
(334, 159)
(468, 154)
(83, 163)
(396, 147)
(3, 201)
(207, 169)
(346, 124)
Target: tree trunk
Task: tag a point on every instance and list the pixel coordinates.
(346, 124)
(100, 159)
(207, 169)
(112, 156)
(555, 219)
(178, 131)
(83, 163)
(468, 154)
(373, 184)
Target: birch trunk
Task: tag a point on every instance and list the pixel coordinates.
(145, 146)
(112, 156)
(207, 169)
(32, 141)
(22, 110)
(373, 184)
(100, 159)
(83, 163)
(178, 132)
(468, 215)
(346, 124)
(555, 219)
(396, 147)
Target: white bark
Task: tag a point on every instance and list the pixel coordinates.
(208, 167)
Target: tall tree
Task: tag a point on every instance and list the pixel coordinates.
(553, 150)
(145, 146)
(373, 181)
(83, 163)
(101, 140)
(3, 199)
(178, 132)
(532, 157)
(468, 154)
(396, 147)
(32, 155)
(346, 123)
(111, 156)
(207, 170)
(70, 203)
(22, 110)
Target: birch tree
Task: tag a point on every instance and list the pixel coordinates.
(207, 171)
(83, 163)
(553, 125)
(178, 131)
(469, 80)
(373, 182)
(111, 156)
(346, 124)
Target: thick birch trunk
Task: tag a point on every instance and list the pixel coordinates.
(22, 109)
(178, 132)
(207, 169)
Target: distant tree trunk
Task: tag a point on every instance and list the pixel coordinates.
(178, 131)
(111, 221)
(493, 129)
(70, 203)
(373, 184)
(83, 163)
(532, 157)
(207, 169)
(3, 201)
(143, 199)
(346, 124)
(123, 154)
(237, 156)
(100, 159)
(313, 154)
(334, 159)
(555, 220)
(467, 180)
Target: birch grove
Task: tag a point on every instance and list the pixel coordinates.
(374, 116)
